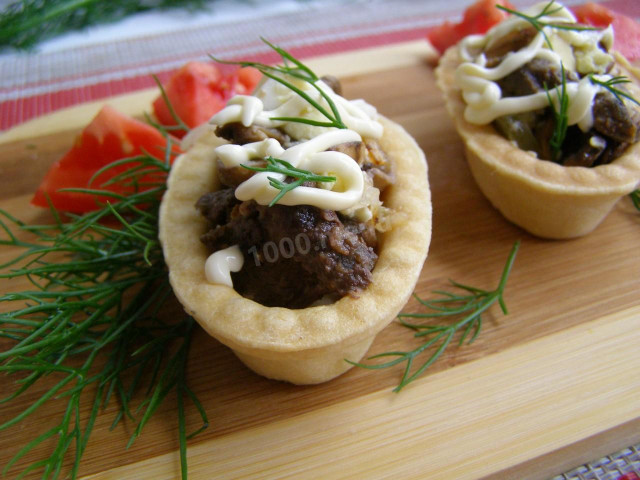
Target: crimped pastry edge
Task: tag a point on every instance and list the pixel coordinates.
(318, 334)
(544, 198)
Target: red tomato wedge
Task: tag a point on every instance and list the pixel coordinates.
(444, 36)
(198, 90)
(477, 18)
(625, 29)
(248, 78)
(110, 136)
(483, 15)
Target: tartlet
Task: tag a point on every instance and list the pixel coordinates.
(309, 345)
(545, 198)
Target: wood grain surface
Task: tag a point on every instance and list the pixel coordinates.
(554, 383)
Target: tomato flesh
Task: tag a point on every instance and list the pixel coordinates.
(443, 36)
(110, 136)
(248, 78)
(483, 15)
(478, 18)
(198, 90)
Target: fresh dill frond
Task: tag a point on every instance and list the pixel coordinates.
(610, 85)
(472, 303)
(635, 198)
(560, 115)
(540, 25)
(167, 129)
(25, 23)
(277, 165)
(90, 323)
(294, 68)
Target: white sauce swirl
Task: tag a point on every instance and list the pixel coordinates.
(220, 264)
(232, 155)
(573, 49)
(273, 99)
(309, 155)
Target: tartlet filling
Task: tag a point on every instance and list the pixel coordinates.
(318, 242)
(550, 85)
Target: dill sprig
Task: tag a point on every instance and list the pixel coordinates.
(179, 126)
(635, 198)
(472, 304)
(560, 115)
(294, 68)
(89, 328)
(277, 165)
(610, 85)
(25, 23)
(540, 25)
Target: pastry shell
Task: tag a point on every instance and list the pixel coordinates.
(308, 345)
(545, 198)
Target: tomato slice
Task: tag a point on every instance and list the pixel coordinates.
(477, 18)
(444, 36)
(626, 30)
(198, 90)
(110, 136)
(593, 14)
(483, 15)
(248, 78)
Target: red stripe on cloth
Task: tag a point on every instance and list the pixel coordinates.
(20, 110)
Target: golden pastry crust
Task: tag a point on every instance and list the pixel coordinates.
(544, 198)
(307, 345)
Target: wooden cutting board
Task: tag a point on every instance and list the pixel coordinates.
(553, 384)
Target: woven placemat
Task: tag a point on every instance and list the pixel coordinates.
(622, 465)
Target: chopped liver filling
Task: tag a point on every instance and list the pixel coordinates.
(336, 255)
(371, 160)
(240, 135)
(293, 255)
(616, 125)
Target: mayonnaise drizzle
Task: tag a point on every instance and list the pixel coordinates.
(220, 264)
(251, 110)
(483, 96)
(232, 155)
(309, 155)
(275, 100)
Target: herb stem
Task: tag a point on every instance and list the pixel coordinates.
(301, 72)
(610, 86)
(561, 116)
(635, 198)
(99, 298)
(540, 25)
(475, 304)
(24, 23)
(56, 11)
(277, 165)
